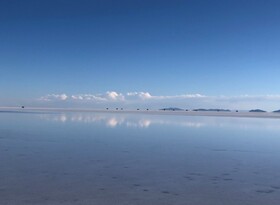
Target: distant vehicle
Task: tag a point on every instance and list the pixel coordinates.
(22, 106)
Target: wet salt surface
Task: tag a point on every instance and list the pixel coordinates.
(81, 158)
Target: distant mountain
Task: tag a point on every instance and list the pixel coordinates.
(278, 111)
(172, 109)
(212, 110)
(257, 110)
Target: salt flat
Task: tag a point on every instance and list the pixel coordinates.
(121, 158)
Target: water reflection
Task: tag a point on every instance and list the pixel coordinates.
(145, 121)
(82, 158)
(138, 121)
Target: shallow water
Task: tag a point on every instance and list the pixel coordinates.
(104, 159)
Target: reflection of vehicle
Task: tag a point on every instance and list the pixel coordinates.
(22, 106)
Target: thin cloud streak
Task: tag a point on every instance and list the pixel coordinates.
(114, 96)
(52, 97)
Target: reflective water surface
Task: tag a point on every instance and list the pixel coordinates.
(104, 159)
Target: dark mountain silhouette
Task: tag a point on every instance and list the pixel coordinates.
(172, 109)
(257, 110)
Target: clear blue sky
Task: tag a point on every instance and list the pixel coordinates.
(211, 47)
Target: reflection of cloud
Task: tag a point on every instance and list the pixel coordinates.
(182, 123)
(113, 122)
(193, 124)
(120, 120)
(63, 118)
(56, 118)
(145, 121)
(140, 123)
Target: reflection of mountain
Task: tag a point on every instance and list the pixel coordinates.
(212, 110)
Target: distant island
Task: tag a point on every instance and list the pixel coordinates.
(212, 110)
(277, 111)
(257, 110)
(172, 109)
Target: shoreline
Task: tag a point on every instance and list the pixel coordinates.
(271, 115)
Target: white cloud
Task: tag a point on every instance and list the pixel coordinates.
(112, 95)
(106, 97)
(140, 95)
(183, 96)
(54, 97)
(88, 97)
(189, 101)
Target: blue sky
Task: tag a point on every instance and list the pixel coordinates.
(164, 48)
